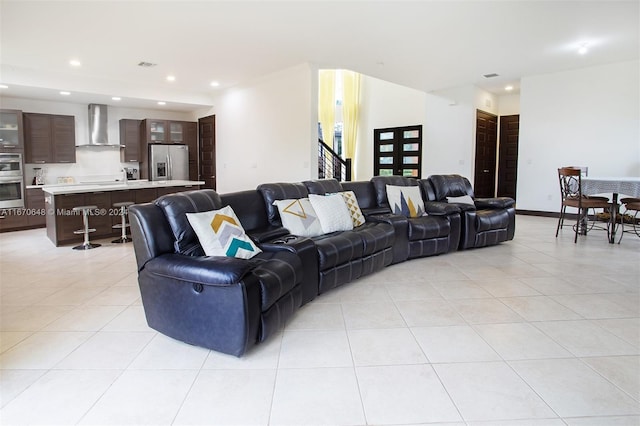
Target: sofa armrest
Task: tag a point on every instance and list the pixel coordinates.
(375, 211)
(207, 270)
(440, 208)
(401, 229)
(267, 234)
(494, 203)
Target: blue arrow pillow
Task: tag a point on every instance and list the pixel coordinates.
(221, 234)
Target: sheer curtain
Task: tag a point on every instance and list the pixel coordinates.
(350, 112)
(327, 104)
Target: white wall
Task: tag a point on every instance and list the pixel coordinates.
(586, 117)
(266, 131)
(92, 163)
(509, 104)
(384, 104)
(451, 127)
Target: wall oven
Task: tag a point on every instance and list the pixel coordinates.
(11, 181)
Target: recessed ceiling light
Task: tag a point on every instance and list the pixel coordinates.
(508, 88)
(583, 49)
(490, 75)
(214, 84)
(65, 93)
(162, 103)
(116, 98)
(3, 86)
(171, 78)
(146, 64)
(75, 63)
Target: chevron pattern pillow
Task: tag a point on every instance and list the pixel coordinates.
(221, 234)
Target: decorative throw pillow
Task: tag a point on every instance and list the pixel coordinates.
(299, 217)
(221, 234)
(405, 200)
(354, 208)
(464, 199)
(332, 212)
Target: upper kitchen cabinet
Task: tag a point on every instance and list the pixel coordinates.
(163, 131)
(176, 132)
(49, 138)
(11, 130)
(154, 131)
(129, 140)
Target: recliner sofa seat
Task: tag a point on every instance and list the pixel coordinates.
(229, 305)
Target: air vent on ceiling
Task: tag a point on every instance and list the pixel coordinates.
(493, 74)
(146, 64)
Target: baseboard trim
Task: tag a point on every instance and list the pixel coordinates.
(541, 213)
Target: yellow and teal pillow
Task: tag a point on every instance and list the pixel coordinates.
(405, 200)
(221, 234)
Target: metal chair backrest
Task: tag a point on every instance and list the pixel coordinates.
(570, 182)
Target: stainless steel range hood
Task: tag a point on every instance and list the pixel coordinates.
(98, 134)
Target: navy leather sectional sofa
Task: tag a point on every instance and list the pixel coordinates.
(229, 304)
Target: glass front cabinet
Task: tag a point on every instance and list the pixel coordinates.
(11, 137)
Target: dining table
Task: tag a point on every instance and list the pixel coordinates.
(626, 185)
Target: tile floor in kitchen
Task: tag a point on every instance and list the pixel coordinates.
(536, 331)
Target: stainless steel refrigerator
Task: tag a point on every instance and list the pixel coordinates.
(168, 162)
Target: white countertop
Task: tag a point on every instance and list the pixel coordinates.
(111, 186)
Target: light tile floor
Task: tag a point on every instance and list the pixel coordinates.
(536, 331)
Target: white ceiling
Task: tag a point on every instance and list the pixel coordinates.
(426, 45)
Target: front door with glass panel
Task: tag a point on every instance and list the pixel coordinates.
(398, 151)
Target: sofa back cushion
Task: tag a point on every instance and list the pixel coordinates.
(248, 207)
(450, 186)
(365, 193)
(323, 186)
(280, 191)
(427, 190)
(175, 207)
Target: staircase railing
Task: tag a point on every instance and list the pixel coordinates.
(331, 165)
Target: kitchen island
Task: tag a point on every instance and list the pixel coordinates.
(62, 221)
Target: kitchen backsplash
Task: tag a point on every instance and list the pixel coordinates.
(92, 163)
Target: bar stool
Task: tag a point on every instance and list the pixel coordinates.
(123, 224)
(85, 229)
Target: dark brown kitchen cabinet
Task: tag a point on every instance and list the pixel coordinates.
(191, 139)
(11, 130)
(154, 131)
(35, 208)
(62, 221)
(65, 221)
(32, 215)
(101, 218)
(165, 131)
(12, 219)
(130, 140)
(173, 189)
(49, 138)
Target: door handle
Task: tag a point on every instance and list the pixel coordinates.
(486, 171)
